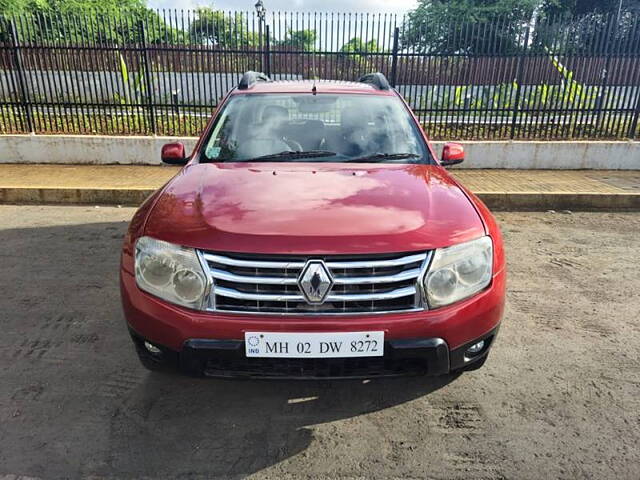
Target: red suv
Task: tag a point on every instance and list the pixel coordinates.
(313, 233)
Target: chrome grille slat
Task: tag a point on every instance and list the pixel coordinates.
(222, 275)
(235, 262)
(400, 292)
(405, 275)
(258, 283)
(330, 264)
(378, 263)
(231, 293)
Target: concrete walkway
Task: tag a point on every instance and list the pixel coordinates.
(500, 189)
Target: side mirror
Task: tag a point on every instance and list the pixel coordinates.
(173, 154)
(452, 154)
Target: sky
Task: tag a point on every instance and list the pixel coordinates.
(372, 6)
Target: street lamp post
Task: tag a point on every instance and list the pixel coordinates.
(261, 11)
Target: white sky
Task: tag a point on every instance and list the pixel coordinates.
(372, 6)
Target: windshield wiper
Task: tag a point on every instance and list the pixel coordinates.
(383, 156)
(288, 154)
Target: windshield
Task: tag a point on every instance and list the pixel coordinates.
(315, 128)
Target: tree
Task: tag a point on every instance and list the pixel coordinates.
(8, 7)
(359, 50)
(358, 46)
(467, 26)
(299, 39)
(587, 26)
(111, 8)
(555, 8)
(86, 21)
(216, 27)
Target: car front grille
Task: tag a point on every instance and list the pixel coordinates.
(251, 283)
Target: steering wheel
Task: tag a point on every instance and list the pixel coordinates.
(293, 145)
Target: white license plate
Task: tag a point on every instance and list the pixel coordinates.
(314, 345)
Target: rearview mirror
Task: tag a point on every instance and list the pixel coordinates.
(452, 154)
(173, 154)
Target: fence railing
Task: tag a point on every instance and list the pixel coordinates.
(164, 72)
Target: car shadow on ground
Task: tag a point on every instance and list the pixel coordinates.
(225, 427)
(80, 404)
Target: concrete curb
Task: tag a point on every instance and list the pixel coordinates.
(484, 154)
(536, 201)
(499, 201)
(77, 196)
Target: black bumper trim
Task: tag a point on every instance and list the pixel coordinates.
(458, 359)
(226, 359)
(204, 344)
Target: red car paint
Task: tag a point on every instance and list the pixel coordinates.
(287, 208)
(312, 208)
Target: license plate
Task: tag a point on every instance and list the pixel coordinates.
(314, 345)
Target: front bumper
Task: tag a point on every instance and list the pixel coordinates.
(226, 359)
(173, 326)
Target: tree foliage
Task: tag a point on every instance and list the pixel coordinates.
(102, 7)
(216, 27)
(498, 26)
(359, 46)
(555, 8)
(299, 39)
(466, 26)
(587, 26)
(86, 21)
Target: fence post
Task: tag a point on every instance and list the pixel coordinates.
(394, 56)
(147, 77)
(604, 75)
(636, 116)
(22, 81)
(267, 52)
(518, 81)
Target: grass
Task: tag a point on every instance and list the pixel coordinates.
(102, 124)
(615, 130)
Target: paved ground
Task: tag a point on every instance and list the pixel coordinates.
(500, 189)
(558, 398)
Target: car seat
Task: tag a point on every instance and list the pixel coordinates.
(353, 137)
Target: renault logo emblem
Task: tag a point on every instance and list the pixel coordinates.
(315, 281)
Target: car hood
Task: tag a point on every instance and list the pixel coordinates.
(313, 208)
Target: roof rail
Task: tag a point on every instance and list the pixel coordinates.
(377, 79)
(250, 78)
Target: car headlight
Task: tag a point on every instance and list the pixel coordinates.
(170, 272)
(459, 271)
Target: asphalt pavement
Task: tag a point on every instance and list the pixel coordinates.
(558, 398)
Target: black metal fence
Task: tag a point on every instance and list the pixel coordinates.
(164, 72)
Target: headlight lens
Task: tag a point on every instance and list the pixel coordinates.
(459, 271)
(170, 272)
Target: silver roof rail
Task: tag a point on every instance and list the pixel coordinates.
(250, 78)
(376, 79)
